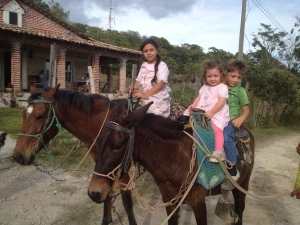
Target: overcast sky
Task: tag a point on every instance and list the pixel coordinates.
(207, 23)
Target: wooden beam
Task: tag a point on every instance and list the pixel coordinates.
(92, 83)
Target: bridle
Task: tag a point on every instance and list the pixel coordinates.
(47, 125)
(127, 158)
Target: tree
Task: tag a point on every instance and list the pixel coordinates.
(57, 11)
(41, 4)
(214, 53)
(83, 28)
(277, 87)
(270, 46)
(295, 47)
(133, 38)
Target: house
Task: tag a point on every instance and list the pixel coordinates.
(29, 36)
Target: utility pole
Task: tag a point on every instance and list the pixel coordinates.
(111, 17)
(242, 31)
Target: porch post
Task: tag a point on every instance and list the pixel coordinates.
(96, 70)
(16, 45)
(61, 66)
(122, 86)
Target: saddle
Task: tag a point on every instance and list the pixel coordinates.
(133, 103)
(242, 144)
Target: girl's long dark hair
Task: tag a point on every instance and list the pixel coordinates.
(158, 58)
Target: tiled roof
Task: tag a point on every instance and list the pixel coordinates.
(80, 39)
(76, 40)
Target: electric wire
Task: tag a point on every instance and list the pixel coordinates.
(267, 13)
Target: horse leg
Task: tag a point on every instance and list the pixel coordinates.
(200, 212)
(107, 216)
(239, 199)
(175, 217)
(128, 205)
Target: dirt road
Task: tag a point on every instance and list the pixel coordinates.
(29, 196)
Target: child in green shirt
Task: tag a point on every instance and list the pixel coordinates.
(237, 100)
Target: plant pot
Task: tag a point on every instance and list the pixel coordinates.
(9, 90)
(19, 94)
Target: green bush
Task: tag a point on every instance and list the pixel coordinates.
(183, 93)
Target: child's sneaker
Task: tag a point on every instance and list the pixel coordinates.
(218, 154)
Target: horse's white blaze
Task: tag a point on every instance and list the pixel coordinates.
(29, 109)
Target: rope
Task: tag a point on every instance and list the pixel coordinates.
(183, 191)
(247, 192)
(92, 143)
(223, 166)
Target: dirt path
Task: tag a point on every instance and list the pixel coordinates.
(28, 196)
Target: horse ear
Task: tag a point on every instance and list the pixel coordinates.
(32, 89)
(51, 92)
(135, 116)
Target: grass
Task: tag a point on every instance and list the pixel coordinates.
(11, 122)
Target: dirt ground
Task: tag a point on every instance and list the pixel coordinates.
(29, 196)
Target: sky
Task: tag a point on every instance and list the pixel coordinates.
(207, 23)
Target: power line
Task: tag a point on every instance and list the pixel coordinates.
(267, 13)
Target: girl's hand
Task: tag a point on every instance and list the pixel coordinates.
(138, 94)
(131, 90)
(190, 108)
(208, 115)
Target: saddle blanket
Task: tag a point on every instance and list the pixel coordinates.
(211, 174)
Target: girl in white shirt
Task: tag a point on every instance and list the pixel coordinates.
(153, 80)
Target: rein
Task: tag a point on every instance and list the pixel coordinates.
(125, 164)
(127, 158)
(47, 125)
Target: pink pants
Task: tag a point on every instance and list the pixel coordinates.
(219, 137)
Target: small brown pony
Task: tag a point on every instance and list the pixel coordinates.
(82, 115)
(160, 146)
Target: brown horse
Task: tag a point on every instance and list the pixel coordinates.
(82, 115)
(161, 147)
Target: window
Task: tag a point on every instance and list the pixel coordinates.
(12, 13)
(47, 67)
(68, 71)
(13, 18)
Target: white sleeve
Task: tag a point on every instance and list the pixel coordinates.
(162, 72)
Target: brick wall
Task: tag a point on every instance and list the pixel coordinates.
(35, 20)
(36, 64)
(81, 68)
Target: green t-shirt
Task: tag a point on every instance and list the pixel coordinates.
(237, 97)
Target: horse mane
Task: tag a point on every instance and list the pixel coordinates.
(161, 126)
(65, 98)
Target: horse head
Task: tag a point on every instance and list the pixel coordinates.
(115, 146)
(38, 126)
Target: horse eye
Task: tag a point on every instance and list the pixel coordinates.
(117, 146)
(40, 117)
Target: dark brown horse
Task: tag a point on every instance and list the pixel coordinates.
(82, 115)
(161, 147)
